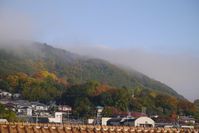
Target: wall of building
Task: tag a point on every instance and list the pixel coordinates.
(144, 121)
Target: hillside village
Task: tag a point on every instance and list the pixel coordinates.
(36, 112)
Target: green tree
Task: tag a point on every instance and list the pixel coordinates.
(7, 114)
(4, 85)
(121, 99)
(83, 107)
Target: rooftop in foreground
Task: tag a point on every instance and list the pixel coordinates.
(63, 128)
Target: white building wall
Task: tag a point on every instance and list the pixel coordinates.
(57, 118)
(104, 120)
(144, 121)
(29, 111)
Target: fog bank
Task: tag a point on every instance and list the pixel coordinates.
(179, 71)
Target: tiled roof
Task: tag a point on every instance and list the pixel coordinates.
(60, 128)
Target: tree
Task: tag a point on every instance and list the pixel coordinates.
(4, 85)
(45, 74)
(121, 99)
(83, 107)
(168, 103)
(196, 103)
(105, 99)
(7, 114)
(185, 107)
(109, 111)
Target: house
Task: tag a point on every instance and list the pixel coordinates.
(43, 113)
(23, 107)
(3, 120)
(11, 106)
(131, 121)
(39, 106)
(90, 121)
(186, 120)
(5, 94)
(57, 119)
(114, 122)
(104, 120)
(22, 103)
(144, 122)
(16, 95)
(64, 108)
(27, 111)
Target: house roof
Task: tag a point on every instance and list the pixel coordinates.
(115, 120)
(186, 118)
(22, 102)
(38, 104)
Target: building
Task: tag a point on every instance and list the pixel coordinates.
(3, 120)
(5, 94)
(39, 106)
(16, 96)
(57, 119)
(186, 120)
(105, 120)
(27, 111)
(64, 108)
(144, 122)
(114, 122)
(137, 122)
(11, 106)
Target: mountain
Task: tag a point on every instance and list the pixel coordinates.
(30, 58)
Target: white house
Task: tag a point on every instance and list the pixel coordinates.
(25, 111)
(64, 108)
(29, 111)
(137, 122)
(187, 120)
(3, 120)
(5, 94)
(57, 118)
(39, 106)
(16, 95)
(144, 122)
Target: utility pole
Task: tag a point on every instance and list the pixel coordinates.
(36, 118)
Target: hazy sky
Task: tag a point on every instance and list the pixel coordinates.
(158, 38)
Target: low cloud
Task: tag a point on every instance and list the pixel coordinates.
(179, 71)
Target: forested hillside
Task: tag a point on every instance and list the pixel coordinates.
(74, 68)
(46, 87)
(42, 73)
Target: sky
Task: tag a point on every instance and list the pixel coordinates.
(157, 38)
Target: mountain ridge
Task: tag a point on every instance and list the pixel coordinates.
(74, 68)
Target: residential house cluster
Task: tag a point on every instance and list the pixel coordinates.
(8, 95)
(34, 111)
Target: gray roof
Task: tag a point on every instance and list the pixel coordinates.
(38, 104)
